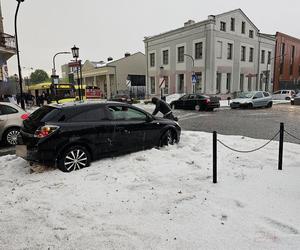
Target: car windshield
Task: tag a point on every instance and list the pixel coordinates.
(246, 95)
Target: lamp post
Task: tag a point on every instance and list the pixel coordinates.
(193, 60)
(75, 53)
(18, 55)
(59, 53)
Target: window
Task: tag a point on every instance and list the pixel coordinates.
(251, 55)
(180, 55)
(269, 57)
(266, 94)
(152, 84)
(219, 49)
(223, 26)
(258, 95)
(292, 60)
(88, 115)
(263, 55)
(282, 54)
(299, 70)
(243, 28)
(7, 110)
(166, 81)
(165, 57)
(180, 86)
(243, 53)
(229, 51)
(232, 24)
(152, 60)
(249, 83)
(126, 113)
(219, 79)
(242, 82)
(198, 50)
(251, 33)
(228, 82)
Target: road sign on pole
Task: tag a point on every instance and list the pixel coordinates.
(128, 83)
(162, 83)
(194, 79)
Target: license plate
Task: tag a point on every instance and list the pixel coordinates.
(21, 151)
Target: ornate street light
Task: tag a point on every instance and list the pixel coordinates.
(75, 52)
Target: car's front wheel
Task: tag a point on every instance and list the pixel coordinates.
(74, 158)
(270, 104)
(197, 107)
(11, 136)
(168, 138)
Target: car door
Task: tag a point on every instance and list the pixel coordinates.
(191, 102)
(181, 102)
(3, 120)
(258, 100)
(129, 128)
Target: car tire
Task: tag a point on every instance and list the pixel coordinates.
(167, 138)
(11, 135)
(74, 158)
(250, 106)
(270, 104)
(292, 102)
(197, 107)
(173, 106)
(287, 98)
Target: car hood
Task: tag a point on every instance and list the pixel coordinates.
(242, 100)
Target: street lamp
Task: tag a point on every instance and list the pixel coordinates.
(193, 60)
(59, 53)
(75, 53)
(18, 55)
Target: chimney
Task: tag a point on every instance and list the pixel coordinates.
(110, 59)
(127, 54)
(189, 22)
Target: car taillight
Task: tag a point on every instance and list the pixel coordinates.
(45, 131)
(207, 100)
(24, 116)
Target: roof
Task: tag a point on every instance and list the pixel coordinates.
(197, 24)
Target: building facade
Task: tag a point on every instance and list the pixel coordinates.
(7, 50)
(287, 62)
(227, 53)
(112, 77)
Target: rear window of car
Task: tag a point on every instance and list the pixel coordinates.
(7, 110)
(87, 115)
(44, 113)
(266, 94)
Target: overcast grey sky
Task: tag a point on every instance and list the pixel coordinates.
(109, 28)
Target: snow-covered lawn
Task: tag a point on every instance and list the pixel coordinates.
(157, 199)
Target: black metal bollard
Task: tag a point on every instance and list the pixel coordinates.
(214, 157)
(280, 156)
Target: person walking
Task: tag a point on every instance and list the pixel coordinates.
(164, 108)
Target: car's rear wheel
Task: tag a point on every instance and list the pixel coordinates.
(168, 138)
(11, 136)
(197, 107)
(74, 158)
(270, 104)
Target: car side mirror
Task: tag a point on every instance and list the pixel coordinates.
(254, 97)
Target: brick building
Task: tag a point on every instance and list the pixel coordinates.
(287, 62)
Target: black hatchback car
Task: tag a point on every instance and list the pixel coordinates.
(70, 136)
(196, 102)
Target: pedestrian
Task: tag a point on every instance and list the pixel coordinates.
(164, 108)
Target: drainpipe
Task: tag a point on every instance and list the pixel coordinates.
(147, 71)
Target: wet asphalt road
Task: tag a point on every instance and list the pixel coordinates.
(255, 123)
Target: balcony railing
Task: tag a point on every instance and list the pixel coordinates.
(7, 41)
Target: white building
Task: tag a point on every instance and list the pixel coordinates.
(229, 54)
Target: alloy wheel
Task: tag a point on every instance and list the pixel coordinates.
(12, 137)
(75, 160)
(197, 107)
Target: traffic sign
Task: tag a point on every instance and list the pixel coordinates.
(128, 83)
(194, 79)
(162, 83)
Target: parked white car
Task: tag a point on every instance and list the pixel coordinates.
(284, 94)
(11, 120)
(253, 99)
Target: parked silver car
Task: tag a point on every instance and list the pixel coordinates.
(284, 94)
(11, 120)
(253, 99)
(295, 100)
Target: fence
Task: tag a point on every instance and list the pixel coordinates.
(281, 133)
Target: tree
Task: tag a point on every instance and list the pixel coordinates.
(39, 76)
